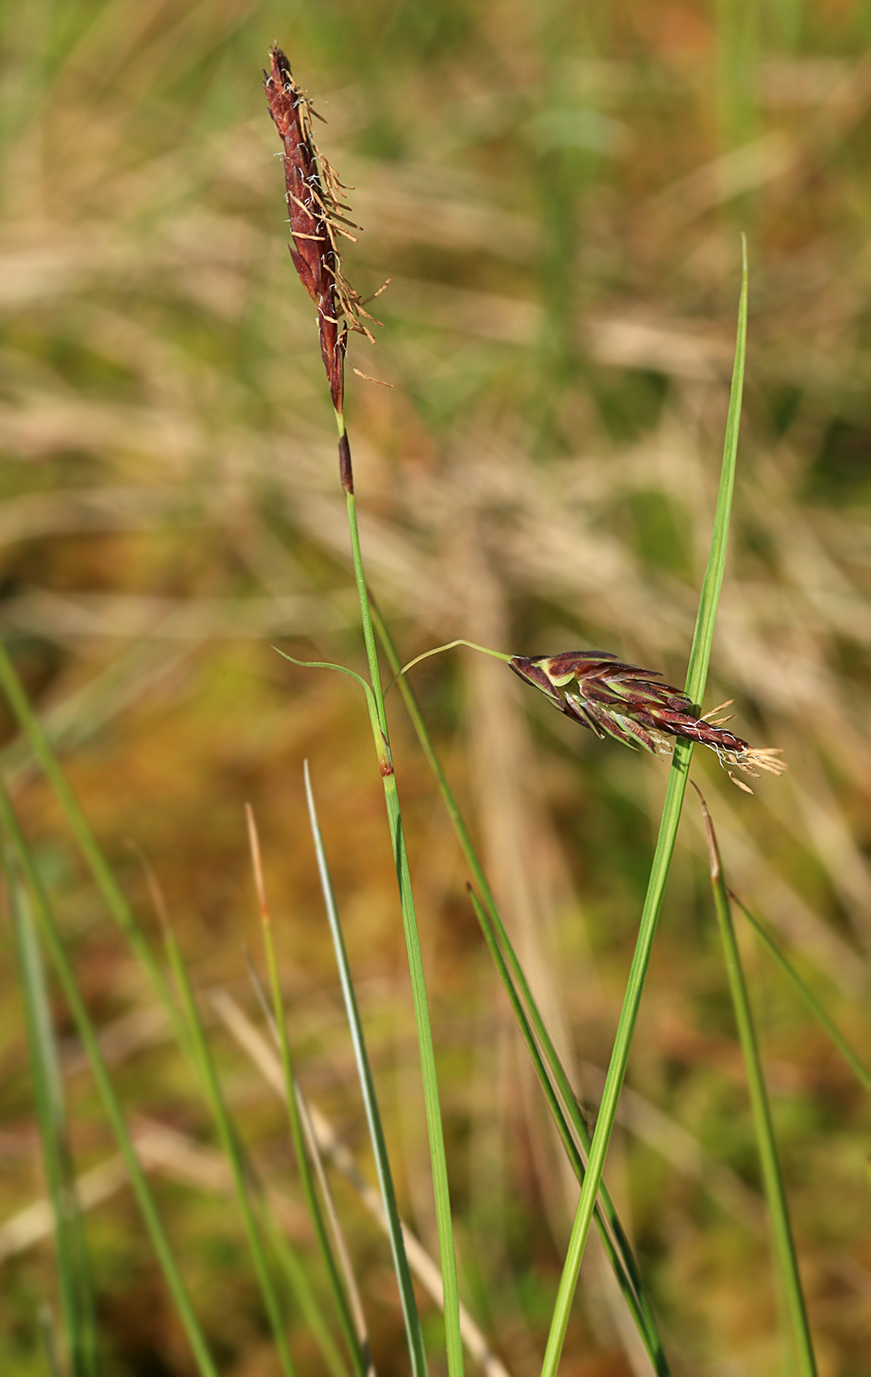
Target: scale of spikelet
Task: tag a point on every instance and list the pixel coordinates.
(316, 216)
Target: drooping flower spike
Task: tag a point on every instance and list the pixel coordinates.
(631, 704)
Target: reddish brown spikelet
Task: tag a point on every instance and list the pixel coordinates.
(631, 704)
(316, 214)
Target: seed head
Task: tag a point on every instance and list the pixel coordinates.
(594, 688)
(316, 214)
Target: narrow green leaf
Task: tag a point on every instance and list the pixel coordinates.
(373, 1117)
(234, 1153)
(90, 1043)
(858, 1067)
(784, 1246)
(297, 1130)
(695, 684)
(73, 1259)
(605, 1215)
(709, 601)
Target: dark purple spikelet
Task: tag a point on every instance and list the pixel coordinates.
(316, 216)
(597, 690)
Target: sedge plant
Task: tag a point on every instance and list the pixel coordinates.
(594, 690)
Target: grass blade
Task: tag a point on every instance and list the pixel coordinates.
(700, 655)
(373, 1117)
(334, 1150)
(356, 1341)
(233, 1153)
(90, 1043)
(784, 1245)
(73, 1259)
(860, 1070)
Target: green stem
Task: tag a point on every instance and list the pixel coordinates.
(417, 1352)
(243, 1181)
(677, 783)
(435, 1130)
(771, 1174)
(695, 684)
(114, 1113)
(437, 650)
(615, 1243)
(73, 1262)
(298, 1133)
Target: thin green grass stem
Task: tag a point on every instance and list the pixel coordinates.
(90, 1043)
(859, 1069)
(73, 1258)
(627, 1279)
(784, 1246)
(373, 1117)
(619, 1056)
(695, 683)
(441, 1191)
(493, 926)
(296, 1271)
(234, 1154)
(297, 1130)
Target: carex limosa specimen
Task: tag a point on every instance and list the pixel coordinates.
(316, 214)
(634, 706)
(317, 217)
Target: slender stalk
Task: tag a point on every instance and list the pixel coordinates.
(627, 1277)
(295, 1119)
(435, 1131)
(373, 1116)
(234, 1155)
(784, 1245)
(73, 1260)
(696, 676)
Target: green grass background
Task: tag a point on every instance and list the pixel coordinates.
(558, 197)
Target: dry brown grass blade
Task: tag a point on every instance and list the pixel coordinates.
(159, 1149)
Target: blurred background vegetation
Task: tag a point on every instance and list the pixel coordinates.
(557, 193)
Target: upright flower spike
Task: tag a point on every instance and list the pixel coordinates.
(597, 690)
(316, 216)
